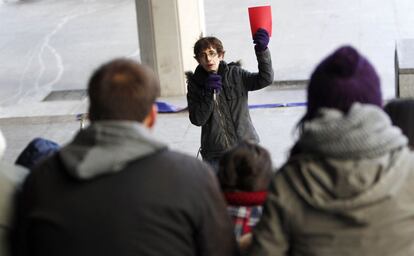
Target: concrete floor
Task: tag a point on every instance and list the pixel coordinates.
(275, 126)
(55, 45)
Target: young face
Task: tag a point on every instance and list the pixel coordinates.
(209, 59)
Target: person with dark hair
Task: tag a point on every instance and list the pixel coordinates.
(244, 175)
(401, 112)
(347, 186)
(117, 190)
(217, 95)
(37, 150)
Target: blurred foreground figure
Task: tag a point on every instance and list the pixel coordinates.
(347, 187)
(10, 180)
(116, 190)
(401, 112)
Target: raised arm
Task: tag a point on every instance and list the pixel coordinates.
(256, 81)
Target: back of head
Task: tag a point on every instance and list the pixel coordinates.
(37, 150)
(343, 78)
(122, 90)
(401, 112)
(246, 167)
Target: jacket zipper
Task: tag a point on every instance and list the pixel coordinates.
(226, 140)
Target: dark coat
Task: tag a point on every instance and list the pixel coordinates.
(162, 203)
(226, 121)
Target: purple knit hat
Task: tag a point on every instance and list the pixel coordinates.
(341, 79)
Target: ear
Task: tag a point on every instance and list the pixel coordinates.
(221, 55)
(197, 59)
(150, 119)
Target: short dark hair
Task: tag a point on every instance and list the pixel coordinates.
(246, 167)
(122, 89)
(401, 112)
(206, 42)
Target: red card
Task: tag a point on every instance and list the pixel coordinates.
(260, 17)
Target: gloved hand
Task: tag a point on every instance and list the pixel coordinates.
(261, 40)
(213, 82)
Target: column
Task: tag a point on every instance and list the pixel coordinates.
(167, 31)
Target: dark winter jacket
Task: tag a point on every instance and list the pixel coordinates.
(115, 190)
(226, 121)
(348, 192)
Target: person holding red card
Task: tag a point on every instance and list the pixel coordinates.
(218, 92)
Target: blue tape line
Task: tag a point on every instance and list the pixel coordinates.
(278, 105)
(167, 108)
(164, 107)
(266, 106)
(296, 104)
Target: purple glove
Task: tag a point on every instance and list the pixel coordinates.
(213, 82)
(261, 39)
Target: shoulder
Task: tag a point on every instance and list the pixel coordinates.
(283, 195)
(189, 168)
(176, 156)
(183, 173)
(289, 174)
(232, 67)
(51, 164)
(189, 75)
(198, 75)
(195, 80)
(235, 64)
(179, 162)
(235, 71)
(48, 172)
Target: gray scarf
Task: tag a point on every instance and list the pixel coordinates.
(364, 132)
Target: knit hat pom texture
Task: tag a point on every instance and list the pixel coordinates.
(341, 79)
